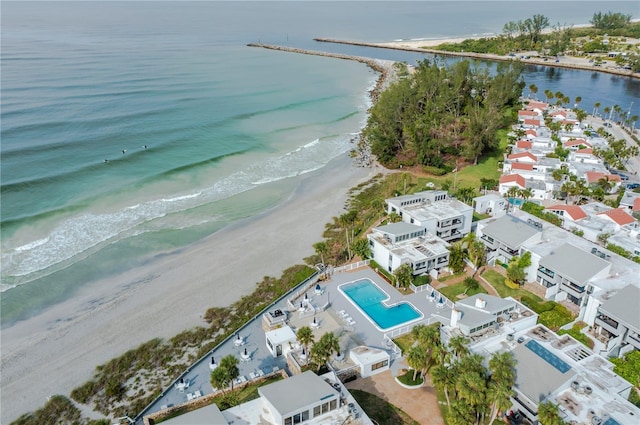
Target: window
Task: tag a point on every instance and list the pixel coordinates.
(333, 404)
(316, 411)
(305, 415)
(288, 421)
(378, 365)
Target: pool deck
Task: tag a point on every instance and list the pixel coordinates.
(326, 310)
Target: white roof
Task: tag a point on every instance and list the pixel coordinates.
(281, 335)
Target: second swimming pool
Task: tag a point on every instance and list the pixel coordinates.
(368, 297)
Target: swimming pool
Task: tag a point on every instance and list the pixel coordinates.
(368, 297)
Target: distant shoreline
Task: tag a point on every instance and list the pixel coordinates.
(422, 46)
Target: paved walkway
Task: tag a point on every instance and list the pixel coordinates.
(421, 404)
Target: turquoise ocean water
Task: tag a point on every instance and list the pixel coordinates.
(212, 131)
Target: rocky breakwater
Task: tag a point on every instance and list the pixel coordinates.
(362, 154)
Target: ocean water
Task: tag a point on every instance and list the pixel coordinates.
(130, 129)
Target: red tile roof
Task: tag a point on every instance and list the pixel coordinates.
(562, 113)
(636, 205)
(512, 178)
(585, 151)
(523, 155)
(539, 105)
(594, 176)
(521, 166)
(619, 216)
(527, 113)
(576, 142)
(574, 211)
(530, 121)
(532, 132)
(524, 144)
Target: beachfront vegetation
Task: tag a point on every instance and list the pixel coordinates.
(132, 381)
(438, 115)
(57, 410)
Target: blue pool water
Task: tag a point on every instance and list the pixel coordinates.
(369, 299)
(548, 356)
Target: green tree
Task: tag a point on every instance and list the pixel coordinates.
(548, 414)
(403, 275)
(444, 376)
(459, 345)
(226, 372)
(305, 336)
(470, 284)
(457, 254)
(610, 20)
(416, 358)
(361, 248)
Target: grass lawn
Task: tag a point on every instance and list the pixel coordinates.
(407, 378)
(497, 281)
(453, 291)
(405, 341)
(381, 411)
(451, 276)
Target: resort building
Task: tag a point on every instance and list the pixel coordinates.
(503, 237)
(573, 270)
(304, 398)
(567, 271)
(446, 218)
(491, 204)
(567, 373)
(400, 243)
(482, 316)
(551, 368)
(618, 321)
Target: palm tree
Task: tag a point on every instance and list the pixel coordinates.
(226, 372)
(459, 344)
(472, 387)
(456, 257)
(477, 254)
(444, 376)
(578, 100)
(416, 358)
(596, 108)
(606, 111)
(403, 275)
(470, 284)
(549, 94)
(525, 193)
(322, 350)
(500, 397)
(305, 336)
(533, 89)
(548, 414)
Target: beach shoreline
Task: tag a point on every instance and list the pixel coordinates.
(58, 349)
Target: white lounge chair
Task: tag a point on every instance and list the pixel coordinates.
(197, 393)
(189, 396)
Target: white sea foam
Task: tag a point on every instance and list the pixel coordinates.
(32, 245)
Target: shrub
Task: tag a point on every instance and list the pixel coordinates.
(436, 171)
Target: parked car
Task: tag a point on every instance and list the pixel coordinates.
(623, 177)
(633, 185)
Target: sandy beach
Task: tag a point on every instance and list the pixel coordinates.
(59, 349)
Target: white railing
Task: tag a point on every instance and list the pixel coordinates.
(352, 266)
(396, 351)
(420, 288)
(446, 301)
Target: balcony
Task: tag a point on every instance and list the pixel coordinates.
(487, 239)
(546, 271)
(634, 339)
(509, 251)
(607, 324)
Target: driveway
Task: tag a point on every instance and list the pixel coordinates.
(421, 404)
